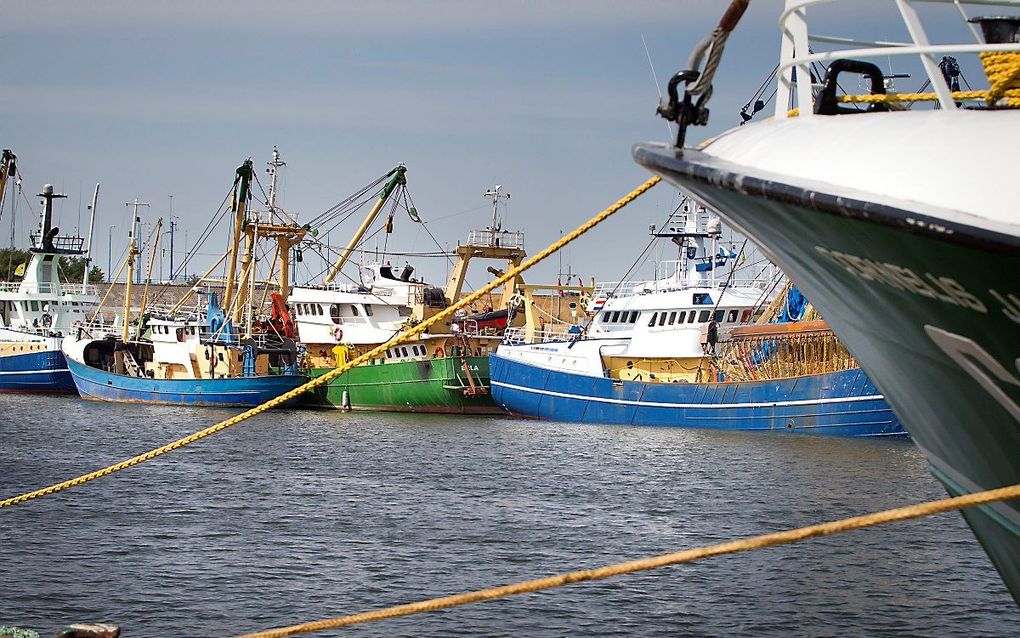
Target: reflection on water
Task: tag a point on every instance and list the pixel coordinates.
(300, 515)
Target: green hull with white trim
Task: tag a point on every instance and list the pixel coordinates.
(438, 385)
(930, 308)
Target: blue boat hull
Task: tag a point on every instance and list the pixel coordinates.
(38, 372)
(837, 404)
(100, 385)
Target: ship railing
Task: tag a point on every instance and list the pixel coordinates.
(606, 290)
(48, 288)
(799, 51)
(496, 239)
(521, 335)
(260, 339)
(63, 243)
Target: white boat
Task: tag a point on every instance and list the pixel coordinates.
(39, 310)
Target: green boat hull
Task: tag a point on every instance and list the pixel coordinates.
(433, 385)
(930, 308)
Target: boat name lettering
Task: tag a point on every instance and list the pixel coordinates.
(1010, 304)
(991, 375)
(945, 289)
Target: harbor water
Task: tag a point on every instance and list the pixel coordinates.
(300, 515)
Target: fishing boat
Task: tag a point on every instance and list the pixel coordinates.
(899, 223)
(39, 310)
(681, 350)
(210, 356)
(445, 370)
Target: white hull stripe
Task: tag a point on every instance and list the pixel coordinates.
(34, 371)
(654, 404)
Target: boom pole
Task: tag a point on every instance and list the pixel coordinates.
(92, 228)
(242, 182)
(398, 178)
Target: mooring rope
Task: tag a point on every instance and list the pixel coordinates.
(655, 562)
(378, 351)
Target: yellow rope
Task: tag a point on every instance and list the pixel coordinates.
(332, 374)
(1003, 71)
(743, 545)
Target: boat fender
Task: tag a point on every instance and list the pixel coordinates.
(440, 352)
(338, 334)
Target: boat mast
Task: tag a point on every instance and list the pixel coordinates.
(242, 182)
(92, 227)
(132, 253)
(45, 242)
(398, 178)
(8, 167)
(152, 260)
(496, 196)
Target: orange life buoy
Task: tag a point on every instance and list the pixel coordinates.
(338, 334)
(440, 353)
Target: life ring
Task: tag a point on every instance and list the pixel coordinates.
(46, 320)
(338, 334)
(440, 353)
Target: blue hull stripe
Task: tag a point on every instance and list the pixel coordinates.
(43, 372)
(234, 392)
(839, 403)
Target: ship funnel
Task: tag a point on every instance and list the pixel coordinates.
(45, 239)
(999, 29)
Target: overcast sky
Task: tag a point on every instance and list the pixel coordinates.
(545, 98)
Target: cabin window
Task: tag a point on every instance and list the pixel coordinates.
(662, 319)
(634, 316)
(368, 310)
(403, 351)
(354, 310)
(388, 354)
(703, 316)
(718, 315)
(745, 315)
(683, 315)
(334, 312)
(220, 356)
(615, 317)
(34, 305)
(180, 333)
(733, 316)
(672, 318)
(651, 322)
(702, 299)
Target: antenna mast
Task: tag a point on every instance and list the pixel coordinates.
(496, 196)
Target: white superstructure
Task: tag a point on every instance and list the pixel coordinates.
(660, 328)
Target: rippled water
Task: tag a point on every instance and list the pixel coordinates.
(299, 515)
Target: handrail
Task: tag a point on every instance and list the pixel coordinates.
(796, 52)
